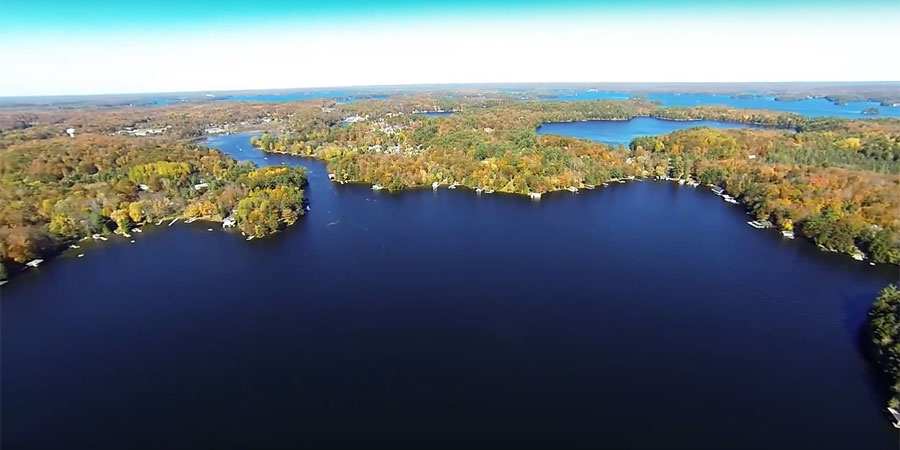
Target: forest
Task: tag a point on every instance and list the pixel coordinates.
(56, 191)
(883, 331)
(67, 173)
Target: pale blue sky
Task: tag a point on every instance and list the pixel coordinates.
(56, 47)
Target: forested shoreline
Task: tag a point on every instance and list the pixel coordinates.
(55, 192)
(883, 334)
(70, 173)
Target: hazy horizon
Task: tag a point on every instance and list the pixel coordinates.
(106, 48)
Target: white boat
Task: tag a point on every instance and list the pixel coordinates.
(589, 186)
(377, 187)
(74, 246)
(488, 191)
(249, 238)
(729, 199)
(479, 190)
(788, 234)
(717, 190)
(760, 224)
(173, 221)
(191, 220)
(620, 181)
(435, 185)
(535, 195)
(34, 262)
(895, 415)
(453, 185)
(132, 241)
(81, 255)
(859, 256)
(572, 189)
(136, 230)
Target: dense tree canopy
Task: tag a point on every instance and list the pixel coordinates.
(883, 329)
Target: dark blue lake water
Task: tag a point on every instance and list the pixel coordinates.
(816, 107)
(642, 315)
(623, 131)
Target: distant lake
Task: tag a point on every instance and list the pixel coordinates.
(643, 315)
(623, 131)
(339, 96)
(816, 107)
(438, 113)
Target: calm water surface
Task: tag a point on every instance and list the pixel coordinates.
(642, 315)
(623, 131)
(816, 107)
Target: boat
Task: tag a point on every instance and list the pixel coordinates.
(589, 186)
(729, 199)
(453, 185)
(173, 221)
(81, 255)
(717, 190)
(605, 184)
(126, 234)
(859, 256)
(479, 190)
(621, 181)
(534, 195)
(102, 238)
(895, 416)
(788, 234)
(572, 189)
(760, 224)
(435, 185)
(132, 241)
(34, 262)
(209, 229)
(681, 181)
(488, 191)
(191, 220)
(136, 230)
(377, 187)
(2, 282)
(74, 246)
(249, 238)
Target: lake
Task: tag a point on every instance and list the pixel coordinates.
(814, 107)
(438, 113)
(623, 131)
(338, 96)
(642, 315)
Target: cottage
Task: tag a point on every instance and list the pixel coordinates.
(229, 222)
(70, 132)
(199, 186)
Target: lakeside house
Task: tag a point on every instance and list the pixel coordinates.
(534, 195)
(34, 262)
(229, 222)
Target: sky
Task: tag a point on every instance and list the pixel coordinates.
(112, 46)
